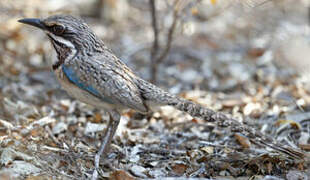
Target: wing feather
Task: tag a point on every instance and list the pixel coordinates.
(106, 80)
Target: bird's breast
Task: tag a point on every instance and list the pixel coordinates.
(80, 94)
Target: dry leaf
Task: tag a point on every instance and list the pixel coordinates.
(120, 175)
(179, 168)
(208, 149)
(243, 141)
(294, 124)
(97, 118)
(305, 147)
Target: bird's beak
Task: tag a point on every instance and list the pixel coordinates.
(33, 22)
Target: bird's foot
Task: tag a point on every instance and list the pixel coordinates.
(94, 175)
(96, 169)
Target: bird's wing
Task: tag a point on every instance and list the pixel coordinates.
(105, 79)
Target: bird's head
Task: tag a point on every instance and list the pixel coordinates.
(68, 35)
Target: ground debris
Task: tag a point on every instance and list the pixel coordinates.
(235, 65)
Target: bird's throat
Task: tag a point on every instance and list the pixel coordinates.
(64, 49)
(62, 54)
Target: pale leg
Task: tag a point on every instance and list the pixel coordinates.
(107, 138)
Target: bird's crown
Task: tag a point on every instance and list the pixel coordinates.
(69, 29)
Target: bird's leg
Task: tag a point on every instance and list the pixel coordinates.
(106, 140)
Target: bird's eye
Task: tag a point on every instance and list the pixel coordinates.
(58, 29)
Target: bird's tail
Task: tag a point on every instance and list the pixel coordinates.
(158, 96)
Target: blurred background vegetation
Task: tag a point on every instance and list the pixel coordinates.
(207, 32)
(246, 57)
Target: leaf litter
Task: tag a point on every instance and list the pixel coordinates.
(230, 66)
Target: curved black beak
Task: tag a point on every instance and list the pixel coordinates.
(33, 22)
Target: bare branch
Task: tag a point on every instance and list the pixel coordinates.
(178, 6)
(169, 37)
(155, 29)
(309, 15)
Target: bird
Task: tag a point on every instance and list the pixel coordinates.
(90, 72)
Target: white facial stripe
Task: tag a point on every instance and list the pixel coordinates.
(67, 43)
(61, 40)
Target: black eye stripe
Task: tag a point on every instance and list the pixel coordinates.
(51, 37)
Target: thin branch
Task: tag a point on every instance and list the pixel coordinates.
(170, 36)
(178, 6)
(309, 15)
(155, 29)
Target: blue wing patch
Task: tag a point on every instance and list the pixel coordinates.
(69, 72)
